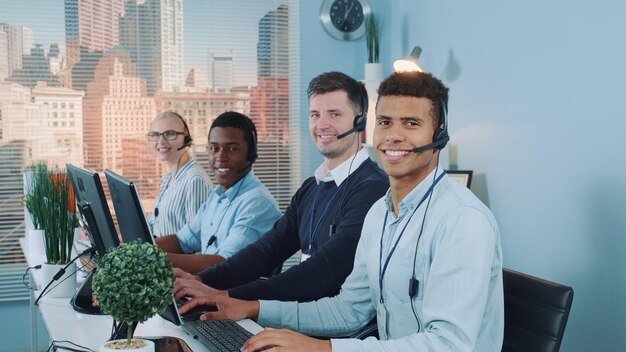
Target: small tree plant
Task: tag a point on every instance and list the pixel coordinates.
(133, 282)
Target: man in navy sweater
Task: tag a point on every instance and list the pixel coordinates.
(324, 218)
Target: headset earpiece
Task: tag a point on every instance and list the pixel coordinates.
(252, 148)
(359, 123)
(441, 135)
(361, 119)
(187, 140)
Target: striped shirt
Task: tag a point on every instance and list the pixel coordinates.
(177, 204)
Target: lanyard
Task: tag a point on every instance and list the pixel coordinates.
(383, 269)
(312, 229)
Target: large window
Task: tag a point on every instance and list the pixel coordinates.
(81, 80)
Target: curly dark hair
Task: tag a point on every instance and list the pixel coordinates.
(333, 81)
(420, 85)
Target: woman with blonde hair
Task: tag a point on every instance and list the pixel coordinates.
(186, 185)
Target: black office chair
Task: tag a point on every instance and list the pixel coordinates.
(535, 313)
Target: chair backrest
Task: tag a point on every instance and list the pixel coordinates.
(535, 313)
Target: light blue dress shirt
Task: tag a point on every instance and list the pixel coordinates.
(236, 218)
(459, 302)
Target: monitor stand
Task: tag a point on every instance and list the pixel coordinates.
(81, 302)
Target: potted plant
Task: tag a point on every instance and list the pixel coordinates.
(134, 281)
(50, 202)
(37, 187)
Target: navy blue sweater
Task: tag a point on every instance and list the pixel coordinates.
(332, 255)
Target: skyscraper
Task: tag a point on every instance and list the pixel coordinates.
(4, 57)
(35, 67)
(221, 70)
(270, 102)
(152, 32)
(91, 24)
(19, 43)
(116, 108)
(273, 45)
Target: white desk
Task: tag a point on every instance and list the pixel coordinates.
(64, 323)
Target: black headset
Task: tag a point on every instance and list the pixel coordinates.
(252, 134)
(441, 136)
(187, 140)
(360, 120)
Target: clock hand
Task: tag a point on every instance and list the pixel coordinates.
(345, 16)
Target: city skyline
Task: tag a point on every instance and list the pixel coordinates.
(199, 18)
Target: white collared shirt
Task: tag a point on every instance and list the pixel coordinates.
(343, 170)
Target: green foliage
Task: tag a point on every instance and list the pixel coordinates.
(37, 191)
(371, 38)
(48, 199)
(133, 283)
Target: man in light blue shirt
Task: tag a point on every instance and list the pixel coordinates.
(239, 210)
(428, 264)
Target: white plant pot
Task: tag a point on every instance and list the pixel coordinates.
(64, 286)
(35, 242)
(374, 72)
(373, 77)
(148, 346)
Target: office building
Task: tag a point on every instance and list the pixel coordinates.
(92, 25)
(221, 70)
(35, 67)
(116, 107)
(60, 141)
(19, 42)
(4, 57)
(152, 32)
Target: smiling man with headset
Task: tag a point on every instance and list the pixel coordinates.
(239, 210)
(324, 218)
(428, 264)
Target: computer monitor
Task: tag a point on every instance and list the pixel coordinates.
(92, 203)
(132, 222)
(128, 209)
(95, 214)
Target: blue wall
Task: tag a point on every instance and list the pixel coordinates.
(15, 324)
(322, 53)
(537, 110)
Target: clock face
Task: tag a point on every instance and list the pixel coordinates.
(344, 19)
(346, 15)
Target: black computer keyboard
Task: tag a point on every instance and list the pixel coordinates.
(219, 335)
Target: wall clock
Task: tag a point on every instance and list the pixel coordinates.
(344, 19)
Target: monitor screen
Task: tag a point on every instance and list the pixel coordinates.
(93, 208)
(130, 216)
(132, 222)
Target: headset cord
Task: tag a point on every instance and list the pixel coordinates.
(333, 225)
(413, 282)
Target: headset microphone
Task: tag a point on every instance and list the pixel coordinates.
(348, 132)
(435, 145)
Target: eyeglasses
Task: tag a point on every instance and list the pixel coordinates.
(168, 135)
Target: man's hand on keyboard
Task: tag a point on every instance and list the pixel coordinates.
(227, 308)
(287, 340)
(193, 288)
(181, 274)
